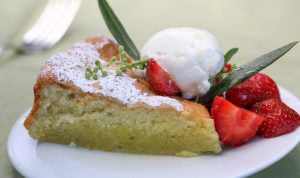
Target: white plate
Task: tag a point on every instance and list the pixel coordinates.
(45, 160)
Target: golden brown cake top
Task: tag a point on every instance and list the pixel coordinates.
(69, 67)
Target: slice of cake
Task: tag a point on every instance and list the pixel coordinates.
(113, 113)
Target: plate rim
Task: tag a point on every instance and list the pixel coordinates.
(18, 166)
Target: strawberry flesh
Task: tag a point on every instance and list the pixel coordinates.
(256, 89)
(279, 119)
(160, 80)
(234, 125)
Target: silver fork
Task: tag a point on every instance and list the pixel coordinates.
(49, 28)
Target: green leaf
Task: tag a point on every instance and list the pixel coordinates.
(229, 54)
(117, 30)
(244, 72)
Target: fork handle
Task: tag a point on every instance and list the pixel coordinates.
(6, 53)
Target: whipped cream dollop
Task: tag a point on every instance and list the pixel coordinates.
(191, 56)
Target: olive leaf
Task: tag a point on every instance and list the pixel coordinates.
(244, 72)
(117, 30)
(230, 53)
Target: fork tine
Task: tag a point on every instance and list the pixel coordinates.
(52, 15)
(52, 25)
(49, 25)
(60, 27)
(42, 20)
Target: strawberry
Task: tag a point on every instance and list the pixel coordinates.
(279, 119)
(228, 68)
(225, 71)
(234, 125)
(257, 88)
(160, 80)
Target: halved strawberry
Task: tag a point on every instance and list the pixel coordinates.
(234, 125)
(256, 89)
(159, 79)
(279, 119)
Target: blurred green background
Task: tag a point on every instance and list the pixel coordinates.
(255, 26)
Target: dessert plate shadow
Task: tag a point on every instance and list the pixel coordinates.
(35, 159)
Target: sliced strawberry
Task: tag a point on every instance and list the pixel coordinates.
(234, 125)
(159, 79)
(279, 119)
(257, 88)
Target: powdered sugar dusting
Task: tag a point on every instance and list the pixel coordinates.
(70, 66)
